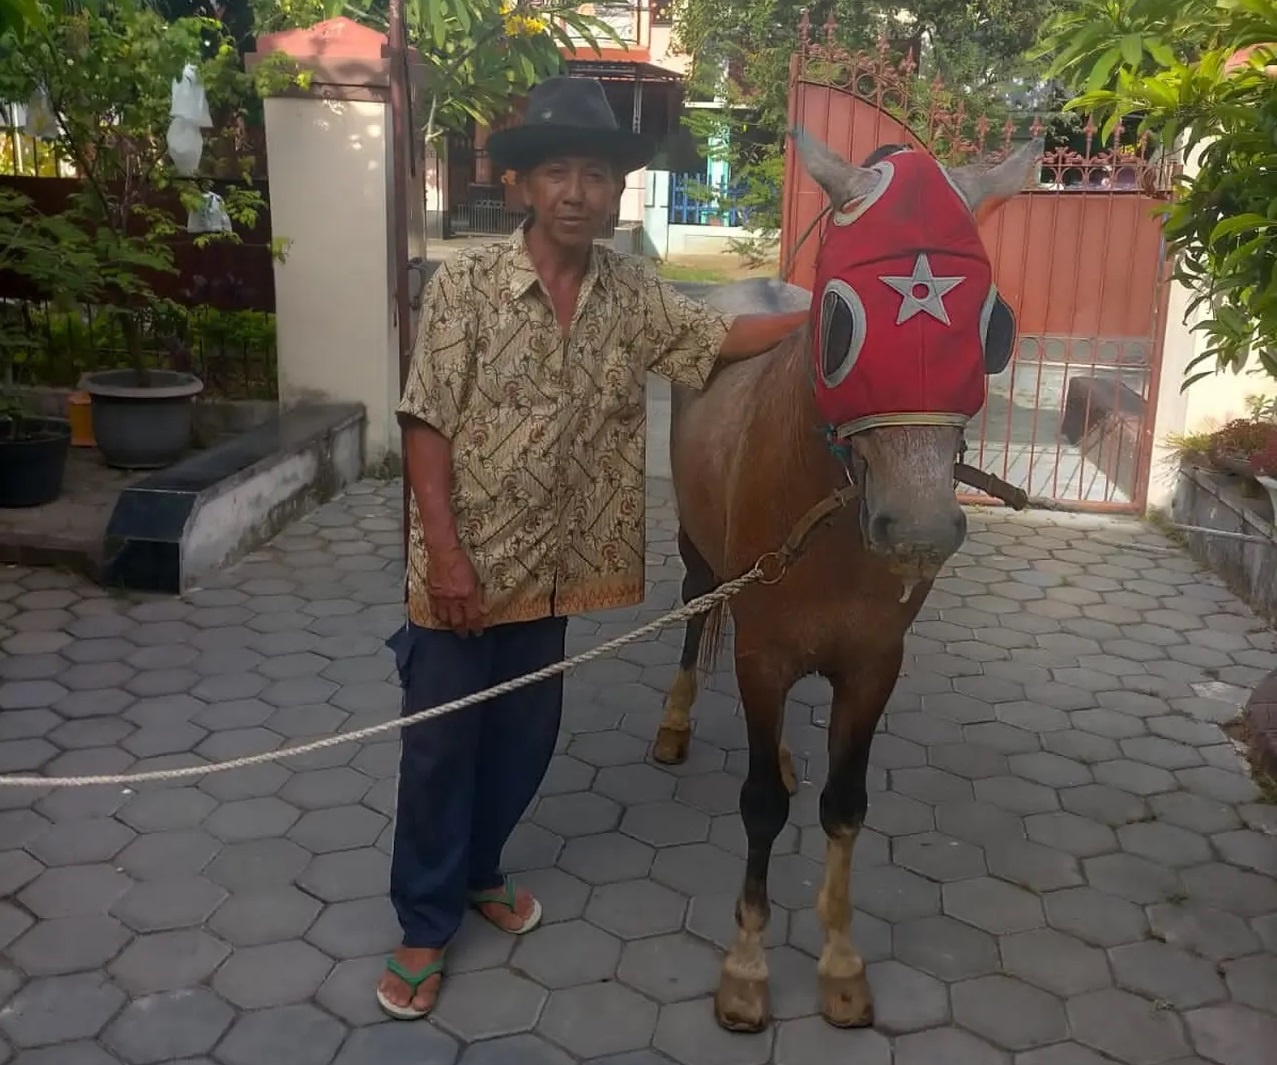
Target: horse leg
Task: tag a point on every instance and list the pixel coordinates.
(674, 733)
(858, 701)
(741, 1004)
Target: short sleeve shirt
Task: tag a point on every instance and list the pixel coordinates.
(548, 433)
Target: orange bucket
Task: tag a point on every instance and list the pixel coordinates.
(80, 415)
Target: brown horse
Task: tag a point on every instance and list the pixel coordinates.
(750, 463)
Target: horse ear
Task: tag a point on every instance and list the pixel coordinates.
(841, 180)
(990, 186)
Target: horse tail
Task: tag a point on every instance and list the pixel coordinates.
(711, 644)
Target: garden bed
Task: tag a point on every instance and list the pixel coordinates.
(1212, 499)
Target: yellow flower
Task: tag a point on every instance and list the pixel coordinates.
(517, 25)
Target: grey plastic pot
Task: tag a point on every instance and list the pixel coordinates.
(140, 428)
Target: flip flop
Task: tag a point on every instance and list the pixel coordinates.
(505, 896)
(414, 981)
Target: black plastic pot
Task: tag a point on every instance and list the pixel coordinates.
(32, 465)
(142, 428)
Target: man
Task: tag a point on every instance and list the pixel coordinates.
(524, 418)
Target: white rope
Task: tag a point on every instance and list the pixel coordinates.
(697, 606)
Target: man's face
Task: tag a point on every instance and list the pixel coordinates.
(573, 198)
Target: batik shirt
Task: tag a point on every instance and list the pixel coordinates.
(548, 434)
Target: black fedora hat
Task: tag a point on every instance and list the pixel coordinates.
(564, 116)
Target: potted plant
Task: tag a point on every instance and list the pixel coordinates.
(33, 447)
(33, 451)
(107, 75)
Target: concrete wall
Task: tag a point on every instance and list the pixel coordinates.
(1206, 404)
(330, 198)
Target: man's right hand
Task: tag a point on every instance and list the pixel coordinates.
(453, 588)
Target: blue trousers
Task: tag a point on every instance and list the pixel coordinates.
(466, 778)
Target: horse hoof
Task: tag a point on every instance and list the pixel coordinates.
(742, 1005)
(846, 1001)
(671, 745)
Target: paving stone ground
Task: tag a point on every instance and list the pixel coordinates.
(1065, 862)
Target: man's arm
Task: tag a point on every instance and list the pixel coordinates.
(753, 334)
(689, 339)
(428, 467)
(430, 412)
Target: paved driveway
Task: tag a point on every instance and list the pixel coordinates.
(1066, 863)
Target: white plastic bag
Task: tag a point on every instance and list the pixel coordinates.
(185, 146)
(209, 217)
(189, 101)
(41, 122)
(189, 111)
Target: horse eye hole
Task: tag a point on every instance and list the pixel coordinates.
(839, 329)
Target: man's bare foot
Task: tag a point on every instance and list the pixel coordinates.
(399, 993)
(500, 913)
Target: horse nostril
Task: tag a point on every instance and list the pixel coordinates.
(880, 527)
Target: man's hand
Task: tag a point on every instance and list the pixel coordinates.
(452, 585)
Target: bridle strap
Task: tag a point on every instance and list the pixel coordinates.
(991, 485)
(802, 531)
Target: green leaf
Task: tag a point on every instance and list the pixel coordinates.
(1103, 69)
(1132, 49)
(1237, 224)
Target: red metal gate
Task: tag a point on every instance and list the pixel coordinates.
(1080, 257)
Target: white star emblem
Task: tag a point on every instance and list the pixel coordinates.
(931, 301)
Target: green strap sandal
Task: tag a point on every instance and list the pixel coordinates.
(414, 981)
(505, 896)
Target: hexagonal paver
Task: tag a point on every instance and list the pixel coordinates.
(573, 952)
(906, 1000)
(670, 968)
(1130, 877)
(269, 915)
(261, 818)
(1253, 981)
(1199, 930)
(168, 961)
(257, 864)
(355, 929)
(950, 1045)
(577, 814)
(1232, 1034)
(485, 1005)
(74, 891)
(946, 948)
(170, 1026)
(345, 875)
(1008, 1012)
(287, 1035)
(68, 944)
(417, 1042)
(598, 1020)
(276, 974)
(663, 824)
(1055, 962)
(636, 908)
(81, 842)
(810, 1041)
(1166, 974)
(992, 905)
(688, 1033)
(1090, 915)
(1126, 1027)
(939, 857)
(165, 905)
(60, 1009)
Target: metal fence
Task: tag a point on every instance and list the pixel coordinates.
(697, 201)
